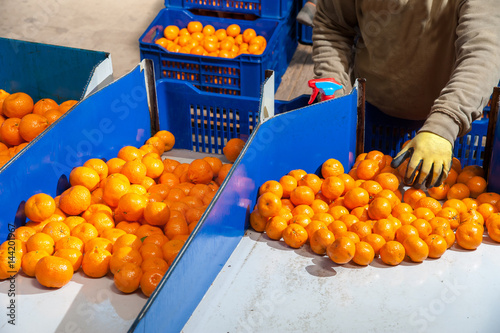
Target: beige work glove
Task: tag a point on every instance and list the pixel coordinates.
(430, 155)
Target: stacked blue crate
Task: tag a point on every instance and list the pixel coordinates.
(242, 75)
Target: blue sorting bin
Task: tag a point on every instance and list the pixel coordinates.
(47, 71)
(98, 126)
(50, 71)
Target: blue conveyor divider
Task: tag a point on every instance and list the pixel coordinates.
(303, 138)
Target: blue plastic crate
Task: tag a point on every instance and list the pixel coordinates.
(289, 37)
(46, 71)
(387, 134)
(241, 75)
(306, 34)
(204, 122)
(262, 8)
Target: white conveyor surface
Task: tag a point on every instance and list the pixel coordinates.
(267, 286)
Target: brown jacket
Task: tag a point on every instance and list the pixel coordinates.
(423, 59)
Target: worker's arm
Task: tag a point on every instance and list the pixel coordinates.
(333, 39)
(476, 72)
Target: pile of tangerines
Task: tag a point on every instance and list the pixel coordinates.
(128, 216)
(21, 120)
(366, 212)
(205, 40)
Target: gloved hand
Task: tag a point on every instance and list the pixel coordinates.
(430, 155)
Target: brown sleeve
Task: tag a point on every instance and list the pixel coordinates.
(476, 72)
(333, 39)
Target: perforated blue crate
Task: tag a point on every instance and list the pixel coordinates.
(387, 134)
(306, 33)
(262, 8)
(204, 122)
(241, 75)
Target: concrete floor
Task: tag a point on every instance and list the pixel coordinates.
(113, 27)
